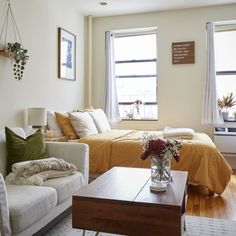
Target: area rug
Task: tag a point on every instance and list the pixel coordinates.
(195, 226)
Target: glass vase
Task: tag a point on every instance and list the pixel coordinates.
(160, 172)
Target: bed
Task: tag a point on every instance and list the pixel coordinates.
(199, 156)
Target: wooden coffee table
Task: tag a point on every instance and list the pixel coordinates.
(120, 201)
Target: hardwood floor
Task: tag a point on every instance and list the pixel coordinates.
(223, 207)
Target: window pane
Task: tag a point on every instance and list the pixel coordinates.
(135, 47)
(146, 111)
(141, 68)
(141, 47)
(225, 50)
(225, 85)
(131, 89)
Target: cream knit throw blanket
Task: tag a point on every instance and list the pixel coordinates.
(37, 171)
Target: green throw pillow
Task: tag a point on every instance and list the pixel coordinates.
(23, 149)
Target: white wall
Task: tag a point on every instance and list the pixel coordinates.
(38, 21)
(180, 87)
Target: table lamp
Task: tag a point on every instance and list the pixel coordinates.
(37, 117)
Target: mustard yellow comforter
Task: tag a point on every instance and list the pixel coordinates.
(199, 156)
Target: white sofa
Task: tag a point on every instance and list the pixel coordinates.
(30, 208)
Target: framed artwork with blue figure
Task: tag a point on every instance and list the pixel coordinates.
(66, 55)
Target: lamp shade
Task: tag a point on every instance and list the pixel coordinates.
(37, 116)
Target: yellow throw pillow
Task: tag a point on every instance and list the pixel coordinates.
(65, 125)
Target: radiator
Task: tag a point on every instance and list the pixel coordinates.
(225, 140)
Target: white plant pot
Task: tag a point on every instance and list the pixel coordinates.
(225, 115)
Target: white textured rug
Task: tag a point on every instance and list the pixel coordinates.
(195, 226)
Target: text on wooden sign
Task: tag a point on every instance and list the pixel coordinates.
(183, 52)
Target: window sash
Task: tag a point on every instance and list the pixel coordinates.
(226, 72)
(135, 76)
(133, 61)
(136, 61)
(131, 103)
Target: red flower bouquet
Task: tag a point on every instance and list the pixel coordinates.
(161, 149)
(160, 152)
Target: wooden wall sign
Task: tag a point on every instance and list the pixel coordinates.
(183, 52)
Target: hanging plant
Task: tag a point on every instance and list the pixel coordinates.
(18, 56)
(16, 51)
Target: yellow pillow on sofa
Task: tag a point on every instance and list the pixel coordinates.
(65, 125)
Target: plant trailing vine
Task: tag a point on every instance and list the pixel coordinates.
(18, 55)
(16, 51)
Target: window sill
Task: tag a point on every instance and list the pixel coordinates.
(231, 121)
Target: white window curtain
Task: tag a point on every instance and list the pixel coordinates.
(111, 107)
(211, 113)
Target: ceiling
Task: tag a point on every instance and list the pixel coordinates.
(121, 7)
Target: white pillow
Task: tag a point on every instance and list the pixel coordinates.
(52, 124)
(83, 124)
(5, 228)
(100, 120)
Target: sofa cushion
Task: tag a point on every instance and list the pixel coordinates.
(66, 186)
(23, 149)
(3, 154)
(5, 227)
(27, 204)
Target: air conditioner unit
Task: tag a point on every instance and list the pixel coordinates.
(225, 140)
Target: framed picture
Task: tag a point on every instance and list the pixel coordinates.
(66, 55)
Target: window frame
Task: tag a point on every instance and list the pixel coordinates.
(136, 32)
(225, 28)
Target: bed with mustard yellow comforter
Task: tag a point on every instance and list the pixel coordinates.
(199, 156)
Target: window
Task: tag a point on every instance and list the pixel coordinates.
(136, 75)
(225, 62)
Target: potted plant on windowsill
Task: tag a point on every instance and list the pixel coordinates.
(18, 55)
(225, 104)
